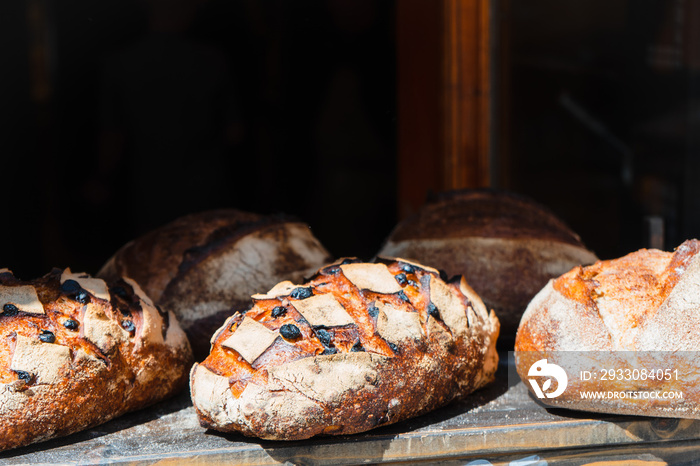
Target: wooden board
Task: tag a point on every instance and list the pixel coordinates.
(500, 424)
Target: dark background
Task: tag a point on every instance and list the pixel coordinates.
(120, 115)
(603, 115)
(117, 116)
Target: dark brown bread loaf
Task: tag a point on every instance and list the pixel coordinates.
(646, 302)
(203, 265)
(76, 352)
(506, 246)
(359, 346)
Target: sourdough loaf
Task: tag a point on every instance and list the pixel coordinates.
(203, 265)
(76, 352)
(359, 346)
(505, 245)
(642, 308)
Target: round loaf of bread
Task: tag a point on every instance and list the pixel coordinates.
(203, 266)
(359, 346)
(76, 352)
(643, 308)
(505, 245)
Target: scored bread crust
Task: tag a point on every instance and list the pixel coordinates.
(372, 344)
(202, 266)
(76, 352)
(506, 246)
(646, 302)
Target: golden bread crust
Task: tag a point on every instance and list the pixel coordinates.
(358, 346)
(94, 353)
(644, 307)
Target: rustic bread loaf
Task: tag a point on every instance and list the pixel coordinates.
(647, 302)
(203, 265)
(506, 246)
(76, 352)
(359, 346)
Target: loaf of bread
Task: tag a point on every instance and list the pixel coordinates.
(76, 352)
(203, 265)
(640, 312)
(505, 245)
(360, 345)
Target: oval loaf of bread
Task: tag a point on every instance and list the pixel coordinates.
(506, 246)
(359, 346)
(75, 352)
(204, 265)
(645, 304)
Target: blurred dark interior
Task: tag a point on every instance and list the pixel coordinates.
(603, 116)
(117, 116)
(121, 115)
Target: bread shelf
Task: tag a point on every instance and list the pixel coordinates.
(500, 424)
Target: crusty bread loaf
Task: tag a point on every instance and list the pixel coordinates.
(647, 302)
(505, 245)
(203, 265)
(359, 346)
(76, 352)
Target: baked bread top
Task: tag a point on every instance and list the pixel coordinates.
(646, 300)
(203, 265)
(484, 213)
(76, 352)
(630, 323)
(505, 245)
(358, 346)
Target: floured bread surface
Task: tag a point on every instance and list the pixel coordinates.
(76, 352)
(359, 346)
(646, 301)
(204, 265)
(615, 304)
(506, 246)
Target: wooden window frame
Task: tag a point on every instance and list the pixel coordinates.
(444, 98)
